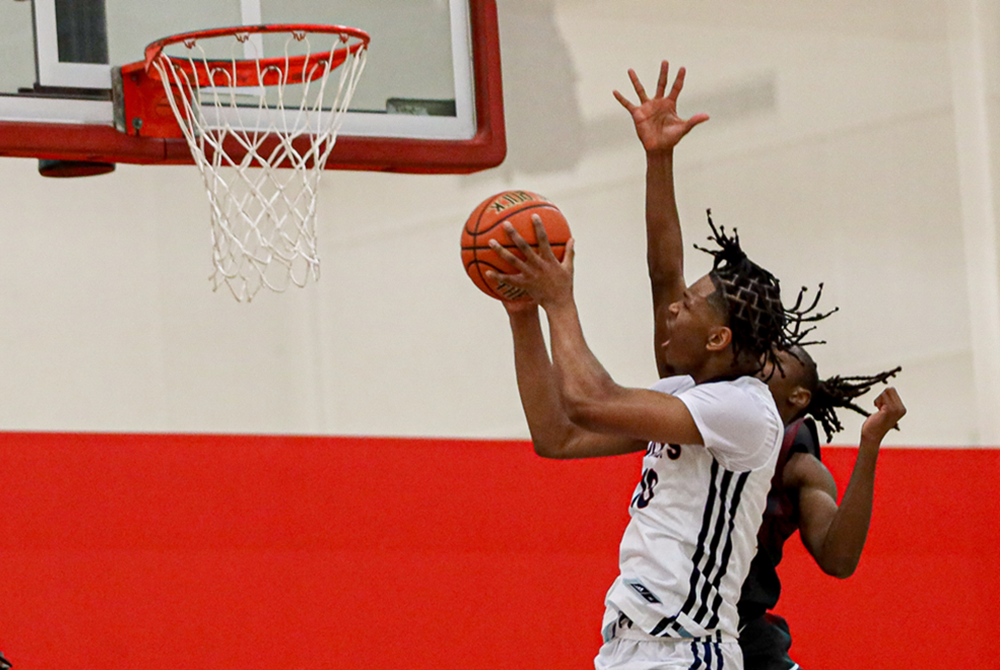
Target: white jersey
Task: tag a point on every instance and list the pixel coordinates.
(696, 511)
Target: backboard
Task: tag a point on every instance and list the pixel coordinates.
(429, 100)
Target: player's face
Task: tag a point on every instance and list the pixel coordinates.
(785, 380)
(689, 323)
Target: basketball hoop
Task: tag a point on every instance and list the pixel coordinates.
(260, 130)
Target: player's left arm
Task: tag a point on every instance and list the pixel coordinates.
(835, 535)
(659, 129)
(590, 397)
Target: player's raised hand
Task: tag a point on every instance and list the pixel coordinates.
(543, 276)
(656, 120)
(890, 410)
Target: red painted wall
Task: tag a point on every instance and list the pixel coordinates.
(927, 591)
(156, 551)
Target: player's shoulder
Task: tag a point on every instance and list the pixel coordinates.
(752, 386)
(805, 470)
(745, 397)
(746, 389)
(673, 384)
(802, 436)
(759, 394)
(744, 383)
(738, 422)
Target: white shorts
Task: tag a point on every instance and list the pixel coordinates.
(628, 648)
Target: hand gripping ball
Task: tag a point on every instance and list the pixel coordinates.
(484, 224)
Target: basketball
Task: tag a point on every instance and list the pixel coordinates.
(484, 224)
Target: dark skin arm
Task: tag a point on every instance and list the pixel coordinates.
(614, 424)
(659, 129)
(552, 433)
(589, 397)
(835, 535)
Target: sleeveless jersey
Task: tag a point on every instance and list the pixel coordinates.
(781, 519)
(695, 513)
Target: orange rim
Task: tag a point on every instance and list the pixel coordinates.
(259, 71)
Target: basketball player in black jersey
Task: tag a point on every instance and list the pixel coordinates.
(803, 495)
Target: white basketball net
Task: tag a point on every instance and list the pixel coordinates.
(263, 205)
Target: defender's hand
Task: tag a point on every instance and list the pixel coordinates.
(890, 410)
(656, 121)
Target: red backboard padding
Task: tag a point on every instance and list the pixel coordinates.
(159, 551)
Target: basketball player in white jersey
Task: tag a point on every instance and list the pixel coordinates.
(711, 434)
(803, 494)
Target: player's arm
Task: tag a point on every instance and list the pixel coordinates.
(580, 386)
(552, 433)
(593, 399)
(835, 535)
(659, 129)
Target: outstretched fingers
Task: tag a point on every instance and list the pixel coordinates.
(640, 90)
(531, 256)
(678, 84)
(525, 263)
(624, 102)
(661, 84)
(694, 121)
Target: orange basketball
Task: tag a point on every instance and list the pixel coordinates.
(484, 224)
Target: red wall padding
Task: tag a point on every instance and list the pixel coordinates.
(927, 592)
(165, 551)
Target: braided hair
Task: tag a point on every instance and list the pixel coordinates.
(751, 297)
(835, 392)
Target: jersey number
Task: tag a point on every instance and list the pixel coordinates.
(645, 494)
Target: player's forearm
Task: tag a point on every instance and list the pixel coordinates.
(547, 421)
(582, 381)
(848, 531)
(664, 245)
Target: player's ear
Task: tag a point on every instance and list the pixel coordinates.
(719, 337)
(800, 398)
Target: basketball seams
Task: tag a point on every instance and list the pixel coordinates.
(509, 246)
(482, 227)
(482, 278)
(515, 211)
(515, 207)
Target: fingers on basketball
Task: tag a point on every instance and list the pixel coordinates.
(486, 225)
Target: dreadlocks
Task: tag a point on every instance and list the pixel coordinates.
(840, 392)
(751, 296)
(837, 392)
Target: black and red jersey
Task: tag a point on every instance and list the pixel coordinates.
(781, 519)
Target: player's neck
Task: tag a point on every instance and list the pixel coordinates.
(720, 367)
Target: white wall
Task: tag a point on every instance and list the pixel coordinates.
(833, 148)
